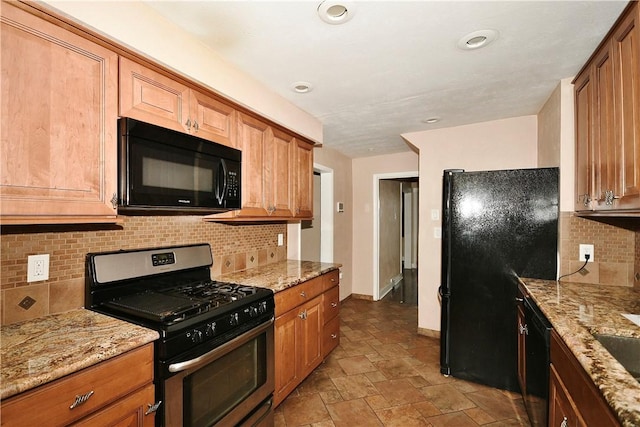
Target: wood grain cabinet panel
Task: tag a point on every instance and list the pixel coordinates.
(607, 100)
(303, 332)
(304, 180)
(122, 387)
(572, 393)
(58, 131)
(626, 47)
(152, 97)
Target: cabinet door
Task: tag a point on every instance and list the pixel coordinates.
(584, 141)
(304, 180)
(58, 125)
(310, 338)
(252, 139)
(278, 174)
(562, 412)
(212, 119)
(152, 97)
(286, 359)
(130, 411)
(626, 41)
(605, 147)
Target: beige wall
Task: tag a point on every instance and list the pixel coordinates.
(364, 170)
(342, 222)
(140, 28)
(549, 137)
(501, 144)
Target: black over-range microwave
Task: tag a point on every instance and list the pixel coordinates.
(168, 171)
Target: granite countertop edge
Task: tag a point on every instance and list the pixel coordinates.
(577, 311)
(280, 275)
(38, 351)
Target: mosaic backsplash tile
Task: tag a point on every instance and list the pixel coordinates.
(234, 248)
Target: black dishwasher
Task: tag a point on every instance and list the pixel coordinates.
(537, 334)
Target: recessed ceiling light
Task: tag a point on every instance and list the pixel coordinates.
(431, 120)
(301, 87)
(335, 11)
(477, 39)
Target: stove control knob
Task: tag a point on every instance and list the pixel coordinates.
(253, 311)
(234, 320)
(195, 335)
(262, 308)
(211, 329)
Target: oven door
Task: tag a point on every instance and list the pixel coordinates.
(231, 385)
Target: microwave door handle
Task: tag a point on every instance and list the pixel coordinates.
(221, 185)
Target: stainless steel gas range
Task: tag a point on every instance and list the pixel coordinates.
(214, 359)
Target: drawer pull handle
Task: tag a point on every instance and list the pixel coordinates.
(334, 336)
(564, 422)
(524, 330)
(80, 399)
(303, 315)
(334, 304)
(153, 408)
(303, 294)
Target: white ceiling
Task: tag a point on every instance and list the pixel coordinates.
(395, 64)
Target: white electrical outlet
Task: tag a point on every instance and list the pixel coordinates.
(584, 250)
(37, 268)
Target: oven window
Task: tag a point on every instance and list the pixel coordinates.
(214, 390)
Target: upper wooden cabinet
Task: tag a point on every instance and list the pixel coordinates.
(155, 98)
(607, 94)
(58, 132)
(304, 180)
(277, 174)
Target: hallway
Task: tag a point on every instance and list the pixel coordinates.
(384, 374)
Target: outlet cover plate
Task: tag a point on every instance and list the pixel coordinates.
(37, 268)
(586, 249)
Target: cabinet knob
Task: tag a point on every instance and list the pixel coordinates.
(564, 422)
(334, 336)
(196, 127)
(80, 399)
(153, 407)
(524, 330)
(188, 123)
(334, 304)
(609, 197)
(114, 201)
(303, 294)
(586, 199)
(303, 315)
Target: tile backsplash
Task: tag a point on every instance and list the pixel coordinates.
(616, 251)
(234, 248)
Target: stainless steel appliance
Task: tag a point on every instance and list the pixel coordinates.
(214, 361)
(164, 170)
(496, 225)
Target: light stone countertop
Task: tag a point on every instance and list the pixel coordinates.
(280, 275)
(578, 310)
(35, 352)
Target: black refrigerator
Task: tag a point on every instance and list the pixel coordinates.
(496, 225)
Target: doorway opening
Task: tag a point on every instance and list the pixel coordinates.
(395, 234)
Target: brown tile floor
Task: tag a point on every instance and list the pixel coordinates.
(384, 374)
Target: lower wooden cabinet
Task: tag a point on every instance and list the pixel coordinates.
(116, 392)
(304, 315)
(573, 398)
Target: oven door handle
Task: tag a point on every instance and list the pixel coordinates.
(220, 351)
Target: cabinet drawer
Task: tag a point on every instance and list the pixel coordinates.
(50, 404)
(331, 279)
(331, 303)
(291, 298)
(129, 411)
(330, 336)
